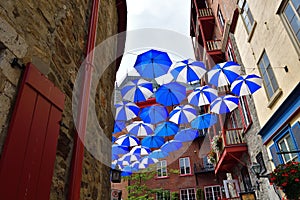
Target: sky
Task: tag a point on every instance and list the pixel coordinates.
(160, 24)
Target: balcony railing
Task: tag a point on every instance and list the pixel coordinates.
(213, 45)
(205, 12)
(233, 136)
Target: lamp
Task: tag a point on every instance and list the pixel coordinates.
(256, 169)
(116, 175)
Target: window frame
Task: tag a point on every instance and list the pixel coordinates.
(245, 111)
(185, 167)
(241, 5)
(286, 131)
(212, 191)
(188, 194)
(230, 49)
(221, 19)
(267, 70)
(161, 168)
(287, 25)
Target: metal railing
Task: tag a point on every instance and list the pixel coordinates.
(233, 136)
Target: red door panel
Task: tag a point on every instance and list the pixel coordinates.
(27, 161)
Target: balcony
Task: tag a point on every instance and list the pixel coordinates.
(207, 22)
(231, 151)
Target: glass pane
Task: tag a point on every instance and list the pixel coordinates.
(240, 3)
(295, 23)
(266, 60)
(187, 162)
(283, 147)
(250, 16)
(188, 170)
(296, 4)
(289, 13)
(291, 146)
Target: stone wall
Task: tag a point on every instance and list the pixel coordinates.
(52, 35)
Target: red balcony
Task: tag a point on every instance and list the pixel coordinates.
(231, 151)
(207, 22)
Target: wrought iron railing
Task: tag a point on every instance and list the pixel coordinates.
(205, 12)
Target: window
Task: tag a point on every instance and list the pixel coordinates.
(221, 18)
(188, 194)
(246, 15)
(286, 141)
(230, 54)
(213, 192)
(161, 168)
(268, 76)
(245, 112)
(291, 16)
(184, 165)
(246, 179)
(163, 195)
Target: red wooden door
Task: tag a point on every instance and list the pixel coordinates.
(27, 160)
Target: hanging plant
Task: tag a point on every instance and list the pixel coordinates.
(212, 157)
(216, 143)
(287, 177)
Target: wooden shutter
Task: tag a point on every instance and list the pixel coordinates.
(27, 161)
(274, 154)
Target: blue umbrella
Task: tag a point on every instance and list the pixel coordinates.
(125, 173)
(128, 140)
(140, 150)
(114, 156)
(129, 168)
(153, 141)
(126, 111)
(154, 114)
(152, 64)
(172, 145)
(128, 158)
(224, 73)
(113, 139)
(202, 96)
(140, 128)
(183, 114)
(246, 85)
(158, 154)
(224, 104)
(137, 165)
(166, 129)
(170, 94)
(187, 135)
(188, 71)
(119, 126)
(148, 160)
(119, 149)
(137, 90)
(204, 121)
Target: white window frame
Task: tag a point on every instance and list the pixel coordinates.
(269, 75)
(221, 18)
(161, 167)
(291, 156)
(189, 192)
(230, 52)
(212, 194)
(244, 107)
(186, 164)
(287, 24)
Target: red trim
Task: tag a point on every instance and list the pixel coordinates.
(81, 121)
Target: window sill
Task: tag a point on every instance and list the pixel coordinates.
(183, 175)
(163, 177)
(274, 98)
(252, 31)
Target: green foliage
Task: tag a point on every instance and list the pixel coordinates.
(200, 194)
(287, 177)
(174, 196)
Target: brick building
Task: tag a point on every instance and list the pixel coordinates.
(41, 155)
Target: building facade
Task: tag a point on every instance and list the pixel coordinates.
(269, 41)
(37, 134)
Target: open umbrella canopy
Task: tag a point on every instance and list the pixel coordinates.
(202, 96)
(246, 85)
(119, 126)
(182, 114)
(128, 140)
(152, 64)
(153, 141)
(187, 71)
(170, 94)
(129, 169)
(170, 146)
(127, 159)
(224, 73)
(148, 161)
(158, 154)
(204, 121)
(126, 111)
(154, 114)
(186, 135)
(224, 104)
(137, 90)
(137, 165)
(140, 150)
(119, 149)
(166, 129)
(140, 128)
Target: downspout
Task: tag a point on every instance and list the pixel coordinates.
(83, 105)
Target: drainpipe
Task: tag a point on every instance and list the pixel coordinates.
(83, 105)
